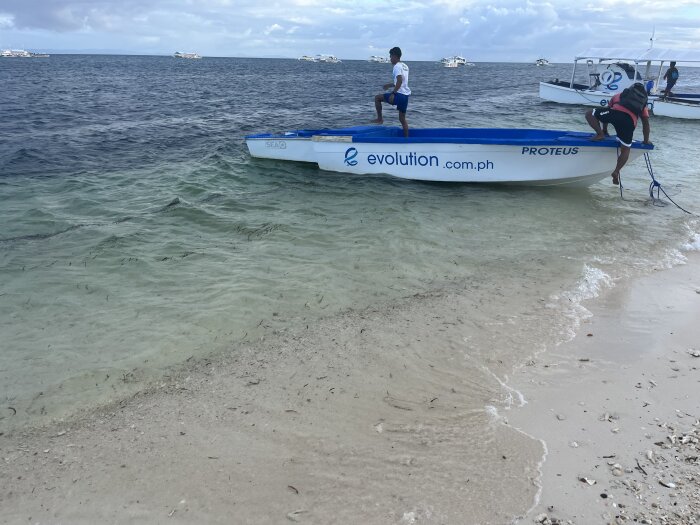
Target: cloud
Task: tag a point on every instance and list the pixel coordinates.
(6, 21)
(482, 29)
(273, 28)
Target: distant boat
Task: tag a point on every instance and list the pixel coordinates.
(186, 55)
(20, 53)
(541, 62)
(378, 60)
(306, 58)
(328, 59)
(450, 63)
(457, 59)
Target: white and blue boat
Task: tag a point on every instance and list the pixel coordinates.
(488, 155)
(609, 71)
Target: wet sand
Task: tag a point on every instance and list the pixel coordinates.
(379, 417)
(619, 408)
(368, 417)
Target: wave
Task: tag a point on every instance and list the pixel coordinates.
(40, 236)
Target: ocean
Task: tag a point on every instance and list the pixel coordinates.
(136, 233)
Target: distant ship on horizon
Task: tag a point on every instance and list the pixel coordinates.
(186, 55)
(20, 53)
(455, 61)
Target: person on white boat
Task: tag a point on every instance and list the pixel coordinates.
(622, 112)
(400, 91)
(671, 77)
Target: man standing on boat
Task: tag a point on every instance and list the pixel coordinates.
(622, 112)
(671, 77)
(400, 91)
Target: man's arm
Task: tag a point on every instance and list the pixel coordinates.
(399, 81)
(646, 129)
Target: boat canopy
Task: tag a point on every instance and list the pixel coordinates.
(641, 55)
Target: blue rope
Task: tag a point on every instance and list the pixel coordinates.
(656, 184)
(619, 176)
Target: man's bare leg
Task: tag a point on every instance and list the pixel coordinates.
(378, 106)
(621, 161)
(404, 124)
(593, 122)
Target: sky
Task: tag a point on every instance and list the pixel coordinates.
(481, 30)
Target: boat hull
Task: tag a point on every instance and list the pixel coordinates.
(568, 95)
(483, 163)
(582, 96)
(296, 145)
(677, 109)
(495, 156)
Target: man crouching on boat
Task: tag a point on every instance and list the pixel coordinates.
(399, 95)
(622, 112)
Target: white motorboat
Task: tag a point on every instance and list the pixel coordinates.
(21, 53)
(191, 56)
(378, 59)
(455, 61)
(489, 155)
(15, 53)
(541, 62)
(460, 60)
(612, 70)
(328, 59)
(307, 58)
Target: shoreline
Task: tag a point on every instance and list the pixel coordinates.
(618, 407)
(369, 417)
(326, 428)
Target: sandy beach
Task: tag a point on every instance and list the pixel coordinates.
(335, 426)
(619, 410)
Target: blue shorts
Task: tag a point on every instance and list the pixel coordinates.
(400, 101)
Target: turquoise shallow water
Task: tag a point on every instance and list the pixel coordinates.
(136, 231)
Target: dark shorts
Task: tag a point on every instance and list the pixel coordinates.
(400, 101)
(670, 84)
(622, 122)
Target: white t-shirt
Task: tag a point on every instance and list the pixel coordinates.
(401, 69)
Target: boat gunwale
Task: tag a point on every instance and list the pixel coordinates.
(511, 137)
(562, 141)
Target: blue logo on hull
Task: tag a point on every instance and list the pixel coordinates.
(350, 155)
